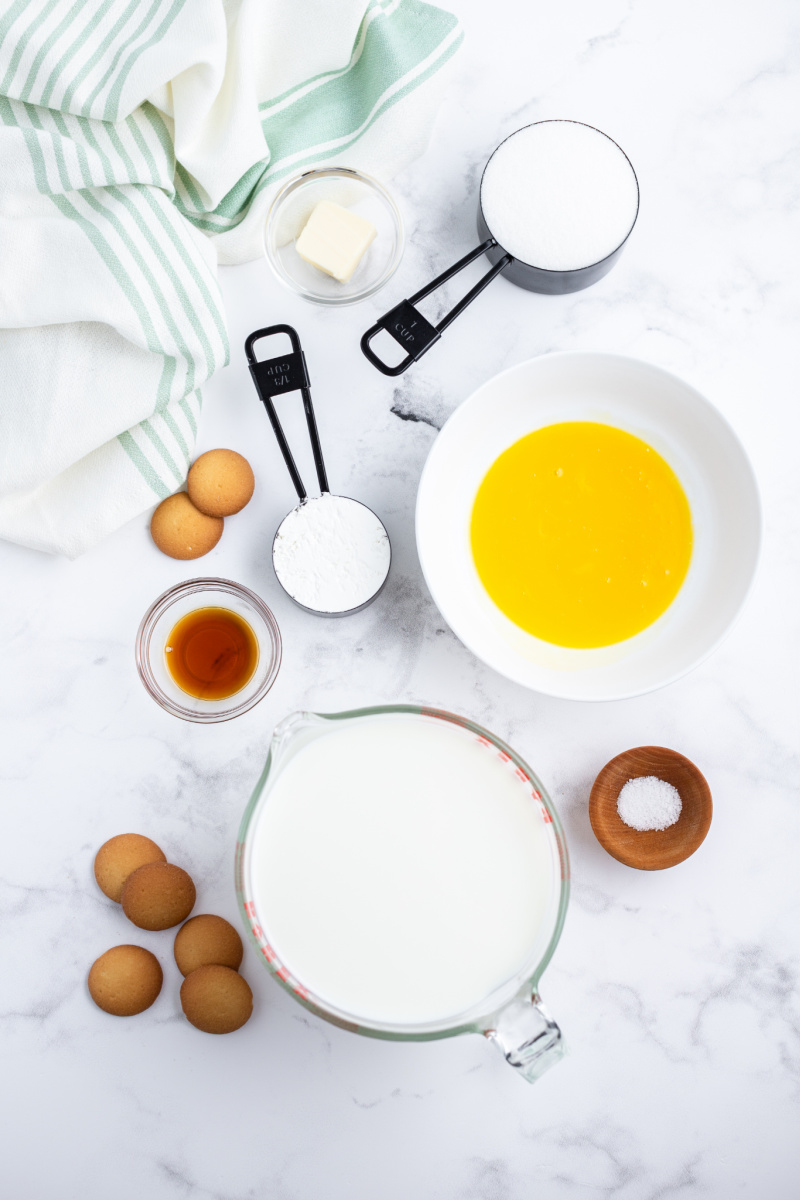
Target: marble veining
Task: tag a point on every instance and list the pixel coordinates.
(677, 991)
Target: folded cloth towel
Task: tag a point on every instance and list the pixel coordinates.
(140, 144)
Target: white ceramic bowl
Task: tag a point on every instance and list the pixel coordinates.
(686, 430)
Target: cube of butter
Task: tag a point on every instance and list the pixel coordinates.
(334, 240)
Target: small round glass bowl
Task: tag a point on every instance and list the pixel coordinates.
(364, 196)
(161, 618)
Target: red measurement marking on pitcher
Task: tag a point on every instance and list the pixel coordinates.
(273, 961)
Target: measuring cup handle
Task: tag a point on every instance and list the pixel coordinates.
(289, 373)
(411, 330)
(528, 1037)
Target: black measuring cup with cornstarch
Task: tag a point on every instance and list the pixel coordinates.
(331, 554)
(556, 204)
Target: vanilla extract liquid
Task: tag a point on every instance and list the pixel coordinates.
(211, 653)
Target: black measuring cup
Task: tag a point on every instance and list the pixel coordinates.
(410, 329)
(288, 373)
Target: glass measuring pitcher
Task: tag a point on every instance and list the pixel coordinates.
(511, 1014)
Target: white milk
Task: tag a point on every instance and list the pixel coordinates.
(401, 870)
(559, 195)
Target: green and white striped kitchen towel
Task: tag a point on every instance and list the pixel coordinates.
(140, 142)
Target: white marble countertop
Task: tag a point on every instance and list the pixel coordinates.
(677, 991)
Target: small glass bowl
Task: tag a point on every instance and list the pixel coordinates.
(159, 621)
(360, 193)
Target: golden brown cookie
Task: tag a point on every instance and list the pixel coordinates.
(158, 896)
(220, 483)
(119, 856)
(207, 940)
(181, 530)
(216, 999)
(125, 980)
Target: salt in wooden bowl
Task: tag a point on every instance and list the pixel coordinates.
(650, 849)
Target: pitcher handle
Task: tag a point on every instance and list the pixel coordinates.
(528, 1037)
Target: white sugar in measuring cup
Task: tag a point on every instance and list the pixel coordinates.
(331, 554)
(557, 202)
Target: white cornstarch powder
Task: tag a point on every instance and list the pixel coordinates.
(559, 195)
(331, 554)
(649, 803)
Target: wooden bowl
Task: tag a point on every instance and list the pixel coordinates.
(652, 849)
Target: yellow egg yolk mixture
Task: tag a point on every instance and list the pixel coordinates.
(581, 534)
